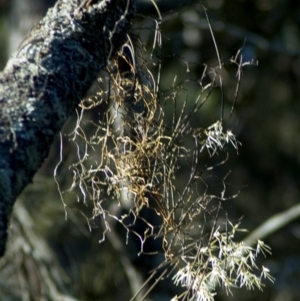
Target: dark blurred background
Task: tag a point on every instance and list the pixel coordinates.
(266, 121)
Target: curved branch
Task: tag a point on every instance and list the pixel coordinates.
(273, 224)
(44, 82)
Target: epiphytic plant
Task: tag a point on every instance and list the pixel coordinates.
(133, 156)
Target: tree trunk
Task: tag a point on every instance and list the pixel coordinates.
(44, 82)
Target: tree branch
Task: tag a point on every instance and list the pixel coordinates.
(44, 82)
(273, 224)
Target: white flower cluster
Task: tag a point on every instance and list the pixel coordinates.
(223, 263)
(216, 138)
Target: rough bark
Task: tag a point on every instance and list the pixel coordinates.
(44, 82)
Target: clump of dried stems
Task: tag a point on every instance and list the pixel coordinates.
(134, 153)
